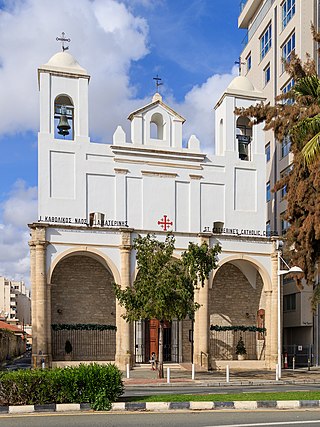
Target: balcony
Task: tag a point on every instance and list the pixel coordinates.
(247, 10)
(256, 22)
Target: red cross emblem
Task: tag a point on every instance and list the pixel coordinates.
(165, 223)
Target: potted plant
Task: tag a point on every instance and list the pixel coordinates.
(68, 350)
(241, 349)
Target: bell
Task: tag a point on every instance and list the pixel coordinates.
(243, 151)
(63, 125)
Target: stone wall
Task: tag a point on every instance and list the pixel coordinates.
(82, 292)
(10, 345)
(233, 301)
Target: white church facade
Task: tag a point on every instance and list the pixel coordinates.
(95, 198)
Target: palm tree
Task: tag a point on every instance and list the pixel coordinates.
(307, 91)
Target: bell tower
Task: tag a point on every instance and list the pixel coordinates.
(63, 85)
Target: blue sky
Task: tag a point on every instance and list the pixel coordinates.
(191, 44)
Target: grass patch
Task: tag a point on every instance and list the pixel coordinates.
(297, 395)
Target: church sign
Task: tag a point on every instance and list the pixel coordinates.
(94, 221)
(240, 232)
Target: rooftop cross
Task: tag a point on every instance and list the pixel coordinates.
(63, 39)
(239, 62)
(157, 81)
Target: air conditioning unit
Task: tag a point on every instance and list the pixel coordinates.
(96, 219)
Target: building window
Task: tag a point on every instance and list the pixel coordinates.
(284, 224)
(268, 229)
(289, 302)
(283, 174)
(288, 10)
(268, 192)
(249, 63)
(285, 146)
(265, 42)
(286, 88)
(268, 152)
(267, 74)
(287, 49)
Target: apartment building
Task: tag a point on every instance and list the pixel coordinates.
(15, 301)
(275, 28)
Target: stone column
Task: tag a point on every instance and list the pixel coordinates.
(274, 308)
(201, 324)
(41, 319)
(268, 325)
(33, 298)
(49, 324)
(123, 341)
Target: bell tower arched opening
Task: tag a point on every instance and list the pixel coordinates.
(63, 118)
(244, 137)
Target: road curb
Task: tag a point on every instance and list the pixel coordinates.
(166, 406)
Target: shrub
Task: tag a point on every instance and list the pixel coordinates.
(99, 385)
(241, 348)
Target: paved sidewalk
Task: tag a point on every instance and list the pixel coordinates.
(178, 376)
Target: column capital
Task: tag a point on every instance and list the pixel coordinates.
(41, 243)
(205, 236)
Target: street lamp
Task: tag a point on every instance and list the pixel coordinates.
(280, 273)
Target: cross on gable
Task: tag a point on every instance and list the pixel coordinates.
(63, 39)
(157, 81)
(239, 63)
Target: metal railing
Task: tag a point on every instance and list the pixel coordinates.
(86, 344)
(223, 344)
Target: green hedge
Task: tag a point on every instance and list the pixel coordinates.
(99, 385)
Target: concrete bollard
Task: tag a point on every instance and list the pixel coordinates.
(293, 363)
(227, 374)
(277, 372)
(193, 371)
(128, 370)
(168, 375)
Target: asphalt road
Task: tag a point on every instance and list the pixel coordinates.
(190, 419)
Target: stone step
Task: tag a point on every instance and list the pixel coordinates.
(175, 366)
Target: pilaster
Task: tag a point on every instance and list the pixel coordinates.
(201, 326)
(123, 343)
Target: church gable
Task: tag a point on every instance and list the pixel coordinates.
(156, 125)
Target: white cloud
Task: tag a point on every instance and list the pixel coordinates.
(106, 37)
(198, 108)
(19, 208)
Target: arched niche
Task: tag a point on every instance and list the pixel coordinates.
(63, 117)
(157, 126)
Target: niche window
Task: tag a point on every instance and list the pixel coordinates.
(63, 118)
(244, 135)
(157, 126)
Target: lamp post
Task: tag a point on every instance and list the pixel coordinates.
(280, 273)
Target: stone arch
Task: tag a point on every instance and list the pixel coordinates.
(82, 293)
(82, 290)
(91, 252)
(267, 285)
(236, 295)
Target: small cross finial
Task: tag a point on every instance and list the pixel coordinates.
(63, 39)
(239, 62)
(157, 81)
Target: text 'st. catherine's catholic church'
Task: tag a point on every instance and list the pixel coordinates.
(94, 199)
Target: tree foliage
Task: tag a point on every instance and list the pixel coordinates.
(297, 114)
(164, 286)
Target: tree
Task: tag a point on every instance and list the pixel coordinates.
(297, 115)
(164, 287)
